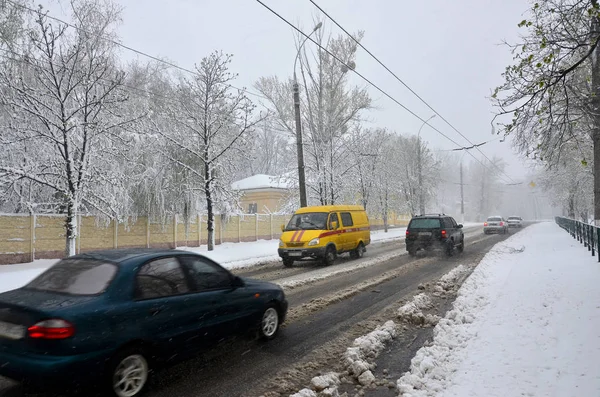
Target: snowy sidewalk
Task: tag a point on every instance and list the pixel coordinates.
(525, 323)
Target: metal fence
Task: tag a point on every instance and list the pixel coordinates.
(586, 234)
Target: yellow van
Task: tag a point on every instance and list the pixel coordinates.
(323, 232)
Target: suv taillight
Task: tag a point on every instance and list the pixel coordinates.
(54, 328)
(443, 234)
(407, 233)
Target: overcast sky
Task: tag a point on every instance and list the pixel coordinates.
(449, 52)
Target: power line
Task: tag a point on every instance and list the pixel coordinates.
(366, 79)
(109, 40)
(410, 89)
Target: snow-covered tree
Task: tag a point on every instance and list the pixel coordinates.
(64, 100)
(331, 109)
(210, 121)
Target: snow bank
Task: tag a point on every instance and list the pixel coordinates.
(524, 323)
(412, 312)
(450, 280)
(360, 357)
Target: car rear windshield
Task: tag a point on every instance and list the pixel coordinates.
(75, 277)
(516, 218)
(425, 223)
(494, 219)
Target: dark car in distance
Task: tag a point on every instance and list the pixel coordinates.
(434, 232)
(111, 316)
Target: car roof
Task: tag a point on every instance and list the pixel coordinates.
(330, 208)
(432, 216)
(123, 255)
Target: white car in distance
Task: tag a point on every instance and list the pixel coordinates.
(515, 221)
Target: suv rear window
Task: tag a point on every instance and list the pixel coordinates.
(425, 223)
(75, 277)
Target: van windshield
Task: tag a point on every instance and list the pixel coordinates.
(308, 221)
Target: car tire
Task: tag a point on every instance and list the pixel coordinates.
(358, 252)
(330, 255)
(288, 262)
(269, 323)
(128, 373)
(450, 248)
(412, 253)
(461, 247)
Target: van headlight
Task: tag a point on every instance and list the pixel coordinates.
(314, 241)
(281, 244)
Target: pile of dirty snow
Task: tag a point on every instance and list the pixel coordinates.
(412, 312)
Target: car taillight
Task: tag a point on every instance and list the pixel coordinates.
(54, 328)
(484, 223)
(443, 234)
(407, 233)
(501, 223)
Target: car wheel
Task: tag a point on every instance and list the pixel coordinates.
(288, 262)
(450, 248)
(330, 255)
(269, 324)
(461, 247)
(128, 373)
(412, 252)
(358, 252)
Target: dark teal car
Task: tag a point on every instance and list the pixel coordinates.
(110, 316)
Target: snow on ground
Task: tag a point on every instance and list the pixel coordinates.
(525, 323)
(16, 276)
(246, 254)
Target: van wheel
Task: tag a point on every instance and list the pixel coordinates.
(288, 262)
(128, 373)
(358, 252)
(330, 255)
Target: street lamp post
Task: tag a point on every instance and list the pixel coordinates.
(420, 167)
(299, 148)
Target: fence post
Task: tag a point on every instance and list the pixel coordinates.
(175, 231)
(148, 231)
(271, 225)
(239, 224)
(32, 222)
(592, 241)
(115, 233)
(589, 237)
(199, 220)
(256, 227)
(79, 229)
(220, 229)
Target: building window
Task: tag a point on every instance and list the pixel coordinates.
(252, 208)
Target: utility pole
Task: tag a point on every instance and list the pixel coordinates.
(462, 195)
(299, 148)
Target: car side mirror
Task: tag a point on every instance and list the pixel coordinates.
(237, 282)
(334, 225)
(460, 226)
(282, 227)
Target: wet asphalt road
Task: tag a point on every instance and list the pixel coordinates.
(241, 367)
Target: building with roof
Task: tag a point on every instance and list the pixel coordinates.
(264, 194)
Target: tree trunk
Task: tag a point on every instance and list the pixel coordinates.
(210, 221)
(71, 227)
(571, 208)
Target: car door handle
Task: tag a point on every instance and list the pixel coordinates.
(155, 310)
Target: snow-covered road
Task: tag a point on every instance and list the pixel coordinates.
(525, 323)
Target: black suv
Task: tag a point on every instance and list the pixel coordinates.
(434, 232)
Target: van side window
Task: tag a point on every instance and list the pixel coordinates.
(333, 218)
(347, 219)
